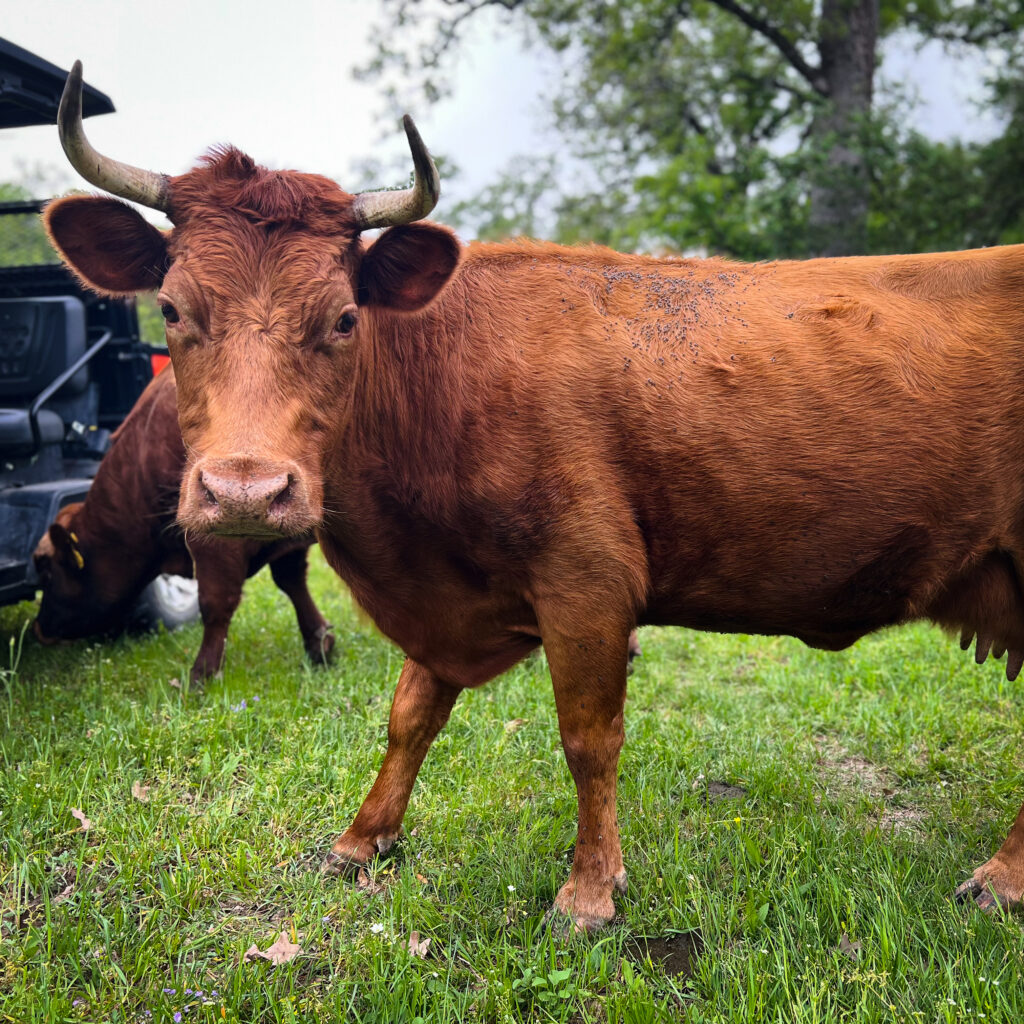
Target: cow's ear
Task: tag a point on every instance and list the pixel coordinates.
(407, 266)
(65, 546)
(107, 243)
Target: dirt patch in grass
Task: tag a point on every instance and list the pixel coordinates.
(838, 769)
(723, 791)
(676, 953)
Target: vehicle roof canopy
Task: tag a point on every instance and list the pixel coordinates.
(30, 89)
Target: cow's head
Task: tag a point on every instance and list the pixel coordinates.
(270, 299)
(81, 591)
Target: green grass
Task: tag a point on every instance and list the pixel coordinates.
(870, 782)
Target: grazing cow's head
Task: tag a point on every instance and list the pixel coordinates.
(268, 294)
(81, 595)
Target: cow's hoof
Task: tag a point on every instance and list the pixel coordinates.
(339, 864)
(562, 924)
(584, 909)
(993, 887)
(202, 673)
(320, 646)
(349, 855)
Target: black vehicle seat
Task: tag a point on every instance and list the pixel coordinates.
(16, 430)
(39, 339)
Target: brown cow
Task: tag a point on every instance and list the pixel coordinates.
(516, 444)
(100, 554)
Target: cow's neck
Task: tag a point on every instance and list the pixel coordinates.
(409, 402)
(398, 439)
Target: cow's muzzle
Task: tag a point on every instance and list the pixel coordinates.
(244, 496)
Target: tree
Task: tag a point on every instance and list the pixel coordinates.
(22, 238)
(739, 126)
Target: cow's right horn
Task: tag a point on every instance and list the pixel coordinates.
(145, 187)
(400, 206)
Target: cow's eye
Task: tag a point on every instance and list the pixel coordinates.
(170, 314)
(346, 323)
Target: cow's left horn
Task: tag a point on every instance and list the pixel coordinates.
(384, 209)
(145, 187)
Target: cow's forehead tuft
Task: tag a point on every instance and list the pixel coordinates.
(226, 179)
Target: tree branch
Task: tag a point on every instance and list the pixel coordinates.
(782, 43)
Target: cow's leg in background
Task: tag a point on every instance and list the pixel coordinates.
(420, 709)
(220, 568)
(588, 672)
(999, 882)
(289, 572)
(633, 650)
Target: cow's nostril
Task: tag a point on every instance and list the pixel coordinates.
(284, 497)
(208, 496)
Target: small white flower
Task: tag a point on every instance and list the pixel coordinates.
(511, 888)
(376, 928)
(952, 1002)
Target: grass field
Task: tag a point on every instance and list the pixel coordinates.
(793, 824)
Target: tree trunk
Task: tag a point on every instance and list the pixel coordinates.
(839, 188)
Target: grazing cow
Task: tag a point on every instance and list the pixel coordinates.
(515, 444)
(100, 554)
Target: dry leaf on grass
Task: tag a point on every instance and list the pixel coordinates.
(848, 948)
(80, 815)
(279, 953)
(515, 725)
(64, 894)
(140, 792)
(421, 879)
(416, 947)
(176, 683)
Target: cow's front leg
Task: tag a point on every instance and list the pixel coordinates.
(220, 593)
(419, 711)
(999, 882)
(589, 677)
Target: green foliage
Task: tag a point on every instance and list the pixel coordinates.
(694, 121)
(23, 241)
(151, 320)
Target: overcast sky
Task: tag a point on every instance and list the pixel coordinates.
(274, 78)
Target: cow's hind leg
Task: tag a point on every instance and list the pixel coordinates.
(588, 672)
(420, 709)
(999, 882)
(289, 572)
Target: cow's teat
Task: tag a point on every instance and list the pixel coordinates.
(243, 496)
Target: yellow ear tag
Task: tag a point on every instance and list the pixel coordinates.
(76, 554)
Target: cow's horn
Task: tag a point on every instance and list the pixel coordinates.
(145, 187)
(383, 209)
